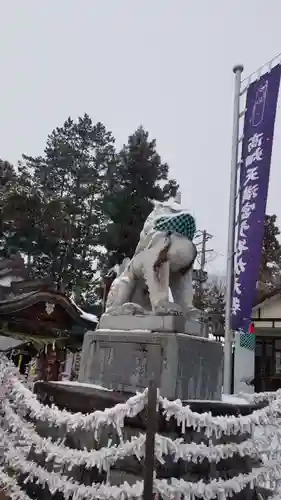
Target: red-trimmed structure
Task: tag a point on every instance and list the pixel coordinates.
(33, 310)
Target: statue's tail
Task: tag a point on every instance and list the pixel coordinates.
(162, 256)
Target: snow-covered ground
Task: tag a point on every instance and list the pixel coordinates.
(232, 399)
(79, 384)
(226, 398)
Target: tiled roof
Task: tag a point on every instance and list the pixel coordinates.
(23, 292)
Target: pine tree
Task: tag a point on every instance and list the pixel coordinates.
(137, 178)
(271, 250)
(215, 304)
(20, 211)
(71, 179)
(212, 302)
(80, 196)
(7, 181)
(270, 269)
(7, 175)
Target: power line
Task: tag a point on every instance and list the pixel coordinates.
(204, 250)
(202, 264)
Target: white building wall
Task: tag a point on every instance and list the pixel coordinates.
(244, 368)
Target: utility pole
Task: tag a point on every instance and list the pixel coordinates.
(205, 238)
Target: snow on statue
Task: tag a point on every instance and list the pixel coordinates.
(163, 260)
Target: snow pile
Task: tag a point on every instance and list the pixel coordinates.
(234, 400)
(18, 436)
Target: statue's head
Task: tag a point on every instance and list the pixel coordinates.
(162, 209)
(171, 206)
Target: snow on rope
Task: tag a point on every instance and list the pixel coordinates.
(18, 437)
(105, 457)
(28, 403)
(15, 459)
(185, 417)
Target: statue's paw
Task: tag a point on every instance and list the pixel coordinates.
(132, 308)
(169, 309)
(127, 309)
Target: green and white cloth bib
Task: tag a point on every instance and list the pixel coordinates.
(183, 224)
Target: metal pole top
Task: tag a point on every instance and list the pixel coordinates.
(238, 67)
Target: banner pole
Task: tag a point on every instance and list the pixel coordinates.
(227, 374)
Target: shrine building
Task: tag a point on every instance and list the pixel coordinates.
(49, 323)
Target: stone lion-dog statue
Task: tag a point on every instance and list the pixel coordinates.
(162, 264)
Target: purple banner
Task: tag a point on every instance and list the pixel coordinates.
(257, 144)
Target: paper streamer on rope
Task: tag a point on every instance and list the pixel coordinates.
(104, 458)
(17, 428)
(15, 460)
(26, 401)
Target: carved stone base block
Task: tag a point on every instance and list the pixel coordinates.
(147, 322)
(186, 366)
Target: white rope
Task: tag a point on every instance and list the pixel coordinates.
(107, 456)
(18, 401)
(26, 401)
(11, 487)
(220, 425)
(15, 459)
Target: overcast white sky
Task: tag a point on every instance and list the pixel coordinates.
(165, 64)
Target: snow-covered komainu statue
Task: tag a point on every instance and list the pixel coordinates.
(163, 262)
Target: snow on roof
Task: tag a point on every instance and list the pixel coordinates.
(88, 316)
(272, 295)
(9, 343)
(213, 337)
(84, 315)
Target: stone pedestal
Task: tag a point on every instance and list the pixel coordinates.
(149, 322)
(185, 366)
(142, 322)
